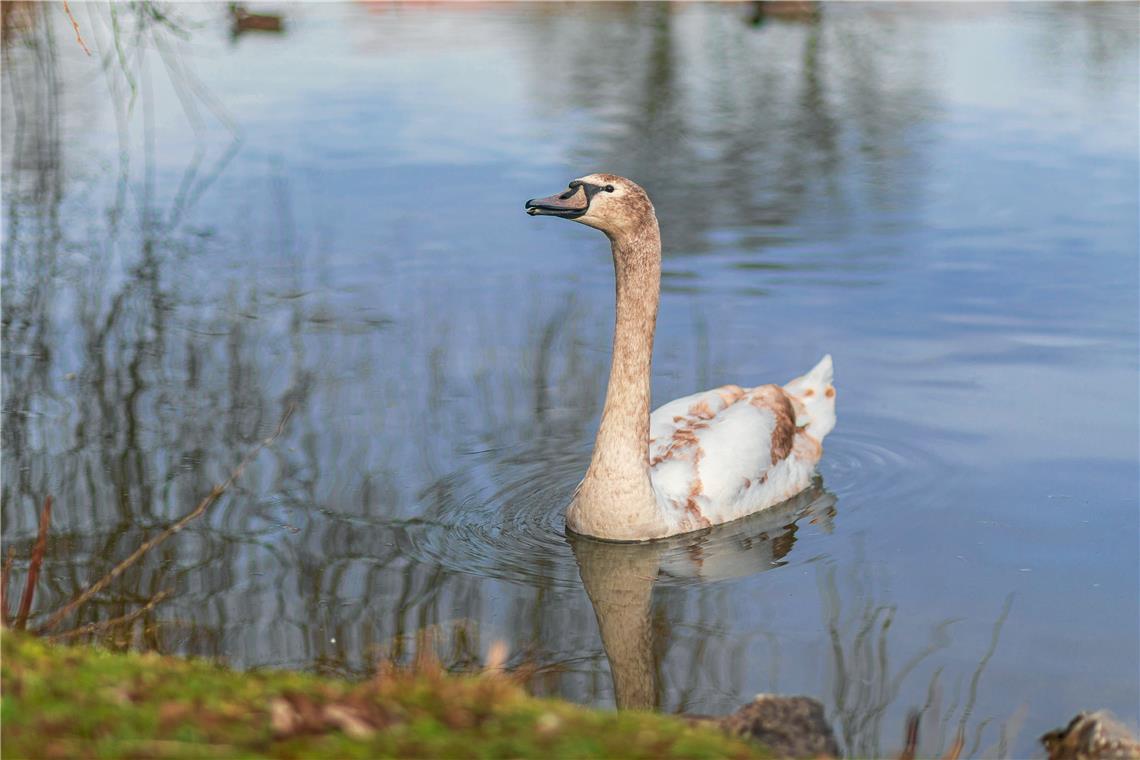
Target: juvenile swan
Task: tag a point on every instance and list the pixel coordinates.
(702, 459)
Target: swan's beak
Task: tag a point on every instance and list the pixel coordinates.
(568, 205)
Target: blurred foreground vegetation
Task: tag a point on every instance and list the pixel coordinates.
(86, 702)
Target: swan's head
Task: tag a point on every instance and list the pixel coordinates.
(606, 202)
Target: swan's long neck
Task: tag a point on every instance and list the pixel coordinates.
(621, 449)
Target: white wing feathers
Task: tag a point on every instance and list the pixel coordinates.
(728, 452)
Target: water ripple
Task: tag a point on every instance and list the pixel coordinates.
(519, 535)
(858, 461)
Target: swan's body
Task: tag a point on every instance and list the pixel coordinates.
(700, 460)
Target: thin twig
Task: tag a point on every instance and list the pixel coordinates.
(75, 24)
(5, 617)
(92, 627)
(146, 546)
(34, 566)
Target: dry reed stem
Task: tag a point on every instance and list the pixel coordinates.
(131, 617)
(5, 618)
(955, 750)
(75, 24)
(34, 566)
(910, 751)
(146, 546)
(426, 661)
(497, 657)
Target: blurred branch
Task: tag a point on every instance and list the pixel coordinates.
(75, 25)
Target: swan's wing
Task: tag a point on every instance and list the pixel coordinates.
(665, 419)
(708, 449)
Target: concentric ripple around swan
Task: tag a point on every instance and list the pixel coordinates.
(517, 533)
(859, 461)
(514, 532)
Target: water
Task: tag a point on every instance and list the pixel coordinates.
(205, 231)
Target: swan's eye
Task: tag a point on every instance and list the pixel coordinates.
(609, 188)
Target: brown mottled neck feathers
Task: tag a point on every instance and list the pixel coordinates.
(621, 449)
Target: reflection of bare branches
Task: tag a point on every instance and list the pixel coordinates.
(102, 625)
(147, 546)
(129, 367)
(154, 28)
(719, 104)
(864, 685)
(968, 709)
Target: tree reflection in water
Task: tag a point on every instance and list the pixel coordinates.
(864, 684)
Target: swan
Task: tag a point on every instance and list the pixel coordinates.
(700, 460)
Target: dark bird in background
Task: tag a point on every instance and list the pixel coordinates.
(244, 21)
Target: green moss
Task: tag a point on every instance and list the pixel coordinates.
(83, 702)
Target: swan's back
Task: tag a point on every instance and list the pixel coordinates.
(725, 453)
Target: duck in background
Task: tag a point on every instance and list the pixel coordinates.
(243, 21)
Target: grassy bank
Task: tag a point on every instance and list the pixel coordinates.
(83, 702)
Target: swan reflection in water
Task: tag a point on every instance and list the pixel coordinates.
(619, 579)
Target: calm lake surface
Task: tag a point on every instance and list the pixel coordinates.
(201, 232)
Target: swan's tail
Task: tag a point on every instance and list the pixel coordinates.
(814, 398)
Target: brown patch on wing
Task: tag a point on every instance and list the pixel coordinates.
(682, 438)
(807, 448)
(809, 393)
(701, 410)
(685, 444)
(773, 398)
(693, 510)
(830, 392)
(692, 507)
(730, 394)
(801, 411)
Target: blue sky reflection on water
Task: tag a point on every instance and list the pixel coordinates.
(944, 197)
